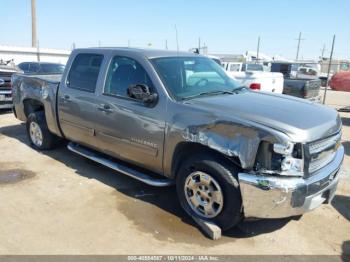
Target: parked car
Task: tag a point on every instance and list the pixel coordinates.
(7, 69)
(254, 77)
(341, 81)
(41, 68)
(167, 117)
(308, 88)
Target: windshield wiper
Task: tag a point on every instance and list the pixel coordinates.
(217, 92)
(240, 88)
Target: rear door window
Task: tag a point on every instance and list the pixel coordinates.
(33, 68)
(84, 72)
(24, 67)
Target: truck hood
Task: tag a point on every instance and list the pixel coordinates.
(300, 119)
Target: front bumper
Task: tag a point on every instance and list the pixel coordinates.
(6, 101)
(277, 196)
(315, 99)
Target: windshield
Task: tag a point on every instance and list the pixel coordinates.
(188, 77)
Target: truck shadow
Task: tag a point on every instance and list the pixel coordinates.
(346, 145)
(345, 121)
(346, 251)
(5, 111)
(152, 209)
(342, 205)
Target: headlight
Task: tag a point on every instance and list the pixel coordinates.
(292, 163)
(280, 159)
(283, 149)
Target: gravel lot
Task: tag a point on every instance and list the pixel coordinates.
(56, 202)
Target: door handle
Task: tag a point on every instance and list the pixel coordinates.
(105, 108)
(65, 97)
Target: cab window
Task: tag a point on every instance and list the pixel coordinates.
(84, 72)
(122, 73)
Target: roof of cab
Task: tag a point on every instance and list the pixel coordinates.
(149, 53)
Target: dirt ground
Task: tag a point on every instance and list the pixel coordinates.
(56, 202)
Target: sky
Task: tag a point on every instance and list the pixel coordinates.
(225, 26)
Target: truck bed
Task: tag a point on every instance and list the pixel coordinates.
(42, 89)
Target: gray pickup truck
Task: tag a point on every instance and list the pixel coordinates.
(176, 118)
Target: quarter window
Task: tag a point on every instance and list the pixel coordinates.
(124, 72)
(84, 72)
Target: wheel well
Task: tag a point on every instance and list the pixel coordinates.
(186, 149)
(32, 105)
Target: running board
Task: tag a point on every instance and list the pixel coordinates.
(94, 156)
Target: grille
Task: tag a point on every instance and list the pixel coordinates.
(322, 152)
(6, 76)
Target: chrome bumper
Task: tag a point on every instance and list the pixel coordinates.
(316, 99)
(277, 196)
(7, 103)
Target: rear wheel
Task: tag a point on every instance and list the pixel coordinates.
(208, 188)
(38, 133)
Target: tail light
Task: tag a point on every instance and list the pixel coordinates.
(255, 86)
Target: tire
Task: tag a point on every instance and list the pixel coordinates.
(36, 122)
(223, 173)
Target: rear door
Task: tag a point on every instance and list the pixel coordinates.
(77, 98)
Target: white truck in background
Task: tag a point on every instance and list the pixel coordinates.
(254, 76)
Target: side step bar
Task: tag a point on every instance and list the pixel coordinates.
(90, 154)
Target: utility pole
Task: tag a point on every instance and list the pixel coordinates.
(128, 42)
(299, 39)
(199, 45)
(38, 51)
(166, 44)
(323, 50)
(329, 71)
(34, 37)
(177, 39)
(257, 51)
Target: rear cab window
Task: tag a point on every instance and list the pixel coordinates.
(84, 72)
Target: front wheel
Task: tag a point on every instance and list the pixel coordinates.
(208, 188)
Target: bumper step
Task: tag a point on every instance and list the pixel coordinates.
(99, 158)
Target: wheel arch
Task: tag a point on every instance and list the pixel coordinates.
(32, 105)
(185, 149)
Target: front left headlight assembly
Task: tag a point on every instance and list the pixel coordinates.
(280, 159)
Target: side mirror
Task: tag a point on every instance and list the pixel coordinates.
(141, 92)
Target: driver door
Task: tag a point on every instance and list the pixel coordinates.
(126, 128)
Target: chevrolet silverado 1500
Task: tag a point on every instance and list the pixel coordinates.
(170, 117)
